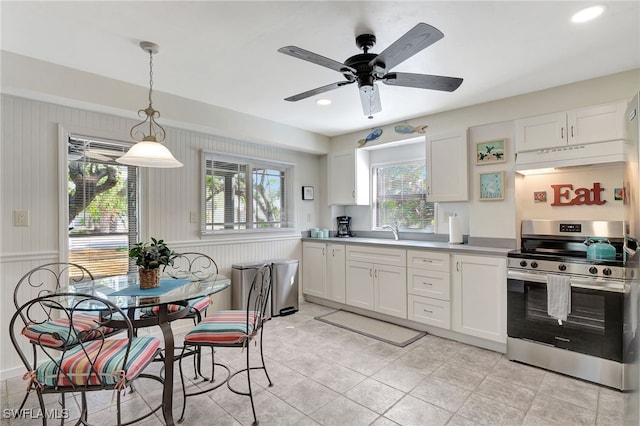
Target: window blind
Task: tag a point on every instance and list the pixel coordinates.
(102, 205)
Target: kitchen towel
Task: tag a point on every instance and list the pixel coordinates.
(558, 296)
(455, 230)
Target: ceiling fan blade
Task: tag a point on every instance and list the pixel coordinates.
(416, 39)
(317, 91)
(422, 81)
(305, 55)
(370, 99)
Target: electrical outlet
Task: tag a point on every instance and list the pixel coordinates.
(193, 217)
(21, 218)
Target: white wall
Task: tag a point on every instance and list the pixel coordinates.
(30, 179)
(499, 219)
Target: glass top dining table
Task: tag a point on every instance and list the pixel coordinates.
(124, 291)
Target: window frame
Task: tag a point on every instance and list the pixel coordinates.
(288, 210)
(374, 199)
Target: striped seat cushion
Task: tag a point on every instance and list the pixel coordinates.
(199, 305)
(224, 327)
(73, 367)
(58, 332)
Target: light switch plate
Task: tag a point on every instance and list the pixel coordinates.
(21, 218)
(193, 217)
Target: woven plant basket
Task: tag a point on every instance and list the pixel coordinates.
(149, 278)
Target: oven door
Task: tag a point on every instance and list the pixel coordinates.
(594, 326)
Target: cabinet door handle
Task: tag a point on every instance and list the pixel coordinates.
(429, 190)
(561, 132)
(458, 266)
(427, 261)
(353, 194)
(427, 311)
(333, 252)
(426, 283)
(572, 130)
(375, 274)
(323, 251)
(370, 272)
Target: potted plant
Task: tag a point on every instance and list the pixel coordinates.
(149, 257)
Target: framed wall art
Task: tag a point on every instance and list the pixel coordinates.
(491, 186)
(490, 152)
(307, 192)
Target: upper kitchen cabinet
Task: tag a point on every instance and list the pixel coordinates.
(447, 169)
(348, 173)
(579, 126)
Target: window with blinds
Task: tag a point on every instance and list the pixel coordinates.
(103, 206)
(399, 194)
(242, 194)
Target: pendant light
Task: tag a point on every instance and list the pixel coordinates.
(149, 150)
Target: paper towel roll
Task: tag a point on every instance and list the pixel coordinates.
(455, 230)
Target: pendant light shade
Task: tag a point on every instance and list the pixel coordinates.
(149, 150)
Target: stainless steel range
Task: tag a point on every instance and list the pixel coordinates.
(593, 342)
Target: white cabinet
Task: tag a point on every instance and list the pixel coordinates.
(480, 296)
(314, 264)
(429, 288)
(377, 279)
(323, 270)
(348, 177)
(336, 272)
(447, 167)
(579, 126)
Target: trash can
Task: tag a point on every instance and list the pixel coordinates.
(284, 287)
(242, 275)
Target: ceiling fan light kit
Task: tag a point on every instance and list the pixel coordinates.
(368, 68)
(149, 150)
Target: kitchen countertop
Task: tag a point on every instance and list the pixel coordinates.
(415, 244)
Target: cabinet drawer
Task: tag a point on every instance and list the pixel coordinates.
(434, 261)
(429, 283)
(429, 311)
(378, 256)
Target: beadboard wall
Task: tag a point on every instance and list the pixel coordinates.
(31, 154)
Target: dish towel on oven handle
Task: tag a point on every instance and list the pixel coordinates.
(558, 296)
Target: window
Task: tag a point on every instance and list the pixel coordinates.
(102, 206)
(399, 194)
(242, 194)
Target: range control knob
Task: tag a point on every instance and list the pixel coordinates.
(534, 264)
(562, 267)
(523, 263)
(606, 271)
(593, 270)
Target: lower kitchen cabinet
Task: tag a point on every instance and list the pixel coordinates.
(479, 299)
(314, 267)
(429, 288)
(429, 311)
(380, 288)
(336, 272)
(377, 286)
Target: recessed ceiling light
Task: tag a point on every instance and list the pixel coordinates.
(587, 14)
(323, 101)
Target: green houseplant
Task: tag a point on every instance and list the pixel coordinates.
(149, 257)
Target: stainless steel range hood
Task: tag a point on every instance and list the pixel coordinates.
(530, 162)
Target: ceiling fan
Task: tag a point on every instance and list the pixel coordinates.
(367, 68)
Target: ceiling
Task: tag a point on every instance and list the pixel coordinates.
(224, 53)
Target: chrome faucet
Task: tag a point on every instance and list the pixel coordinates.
(393, 229)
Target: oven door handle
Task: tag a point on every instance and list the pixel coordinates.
(588, 283)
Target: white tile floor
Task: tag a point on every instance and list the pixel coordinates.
(324, 375)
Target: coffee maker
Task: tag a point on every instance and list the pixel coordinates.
(344, 226)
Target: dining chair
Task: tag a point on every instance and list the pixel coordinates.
(193, 266)
(78, 358)
(233, 328)
(46, 279)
